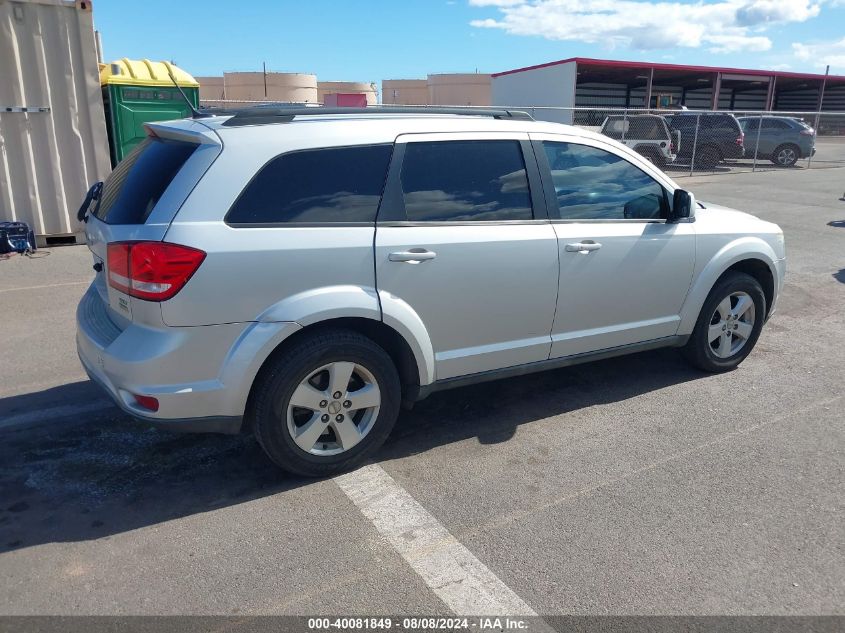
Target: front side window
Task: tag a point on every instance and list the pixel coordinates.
(465, 181)
(337, 184)
(593, 184)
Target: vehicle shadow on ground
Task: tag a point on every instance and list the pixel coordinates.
(108, 476)
(840, 275)
(76, 393)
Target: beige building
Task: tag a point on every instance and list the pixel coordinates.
(211, 88)
(457, 89)
(258, 86)
(404, 92)
(347, 87)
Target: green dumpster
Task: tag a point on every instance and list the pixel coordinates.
(137, 92)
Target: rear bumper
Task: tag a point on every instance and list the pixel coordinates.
(228, 425)
(180, 367)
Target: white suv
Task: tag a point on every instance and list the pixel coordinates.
(301, 273)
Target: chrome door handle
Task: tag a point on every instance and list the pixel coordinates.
(412, 256)
(582, 247)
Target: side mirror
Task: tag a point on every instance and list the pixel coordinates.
(683, 206)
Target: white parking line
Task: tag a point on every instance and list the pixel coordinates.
(33, 418)
(458, 578)
(68, 283)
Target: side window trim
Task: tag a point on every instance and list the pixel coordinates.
(251, 225)
(391, 211)
(549, 189)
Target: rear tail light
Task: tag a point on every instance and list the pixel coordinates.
(154, 271)
(741, 138)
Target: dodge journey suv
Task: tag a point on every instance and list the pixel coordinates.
(303, 273)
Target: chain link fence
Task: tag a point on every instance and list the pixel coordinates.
(711, 142)
(694, 142)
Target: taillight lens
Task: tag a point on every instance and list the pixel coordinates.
(741, 138)
(154, 271)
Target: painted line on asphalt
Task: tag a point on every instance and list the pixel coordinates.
(69, 283)
(458, 578)
(34, 418)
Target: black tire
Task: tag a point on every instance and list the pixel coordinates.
(277, 382)
(787, 160)
(707, 157)
(698, 349)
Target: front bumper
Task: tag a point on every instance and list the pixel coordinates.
(156, 362)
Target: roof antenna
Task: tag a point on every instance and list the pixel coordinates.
(195, 114)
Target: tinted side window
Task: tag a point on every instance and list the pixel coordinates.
(465, 180)
(591, 183)
(338, 184)
(775, 124)
(140, 179)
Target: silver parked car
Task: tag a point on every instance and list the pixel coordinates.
(781, 139)
(301, 274)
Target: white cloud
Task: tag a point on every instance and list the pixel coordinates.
(723, 26)
(822, 53)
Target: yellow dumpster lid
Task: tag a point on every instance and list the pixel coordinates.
(143, 72)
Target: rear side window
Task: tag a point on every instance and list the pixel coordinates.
(338, 184)
(140, 179)
(465, 181)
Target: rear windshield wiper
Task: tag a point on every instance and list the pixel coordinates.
(92, 196)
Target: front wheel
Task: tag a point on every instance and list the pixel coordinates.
(326, 404)
(729, 324)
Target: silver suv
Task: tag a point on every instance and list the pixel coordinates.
(302, 273)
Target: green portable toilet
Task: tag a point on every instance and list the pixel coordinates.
(137, 92)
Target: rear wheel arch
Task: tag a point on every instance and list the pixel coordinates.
(383, 335)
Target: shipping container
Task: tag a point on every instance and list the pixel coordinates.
(53, 142)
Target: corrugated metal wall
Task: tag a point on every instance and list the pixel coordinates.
(49, 159)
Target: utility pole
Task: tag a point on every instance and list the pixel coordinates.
(264, 67)
(819, 110)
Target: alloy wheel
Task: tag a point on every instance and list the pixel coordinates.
(786, 157)
(731, 324)
(333, 408)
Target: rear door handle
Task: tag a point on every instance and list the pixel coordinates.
(412, 256)
(582, 247)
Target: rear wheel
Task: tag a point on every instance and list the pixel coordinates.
(786, 155)
(326, 404)
(729, 324)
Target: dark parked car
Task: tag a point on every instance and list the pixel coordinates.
(783, 139)
(719, 136)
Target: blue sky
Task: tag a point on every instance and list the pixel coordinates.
(371, 40)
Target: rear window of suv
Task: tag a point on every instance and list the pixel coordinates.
(140, 179)
(337, 184)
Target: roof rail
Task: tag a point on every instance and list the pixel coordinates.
(262, 115)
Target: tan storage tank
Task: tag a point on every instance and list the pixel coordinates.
(347, 87)
(459, 89)
(53, 143)
(211, 88)
(404, 92)
(285, 87)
